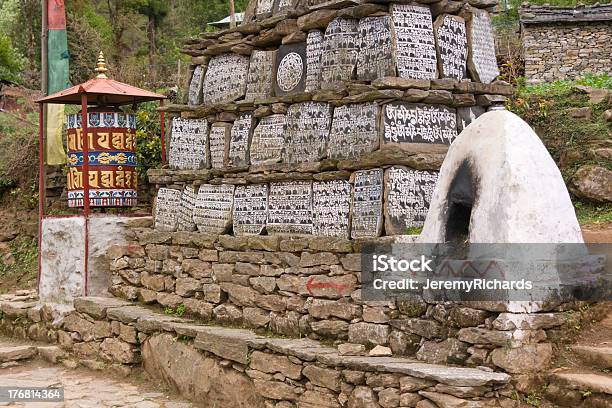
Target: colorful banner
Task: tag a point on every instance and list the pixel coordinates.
(58, 77)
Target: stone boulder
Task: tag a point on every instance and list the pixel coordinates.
(196, 377)
(593, 183)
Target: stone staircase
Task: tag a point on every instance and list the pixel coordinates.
(587, 383)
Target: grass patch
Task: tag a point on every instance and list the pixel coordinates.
(21, 270)
(593, 214)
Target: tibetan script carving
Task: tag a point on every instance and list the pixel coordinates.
(264, 8)
(418, 123)
(367, 218)
(240, 139)
(167, 208)
(314, 48)
(219, 144)
(290, 69)
(339, 54)
(467, 115)
(482, 61)
(185, 215)
(195, 87)
(250, 209)
(267, 142)
(416, 45)
(213, 209)
(331, 207)
(188, 144)
(307, 133)
(376, 58)
(290, 208)
(407, 197)
(451, 44)
(354, 131)
(261, 75)
(225, 79)
(282, 6)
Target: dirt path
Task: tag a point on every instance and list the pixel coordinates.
(88, 389)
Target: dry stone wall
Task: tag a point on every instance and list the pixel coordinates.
(299, 286)
(566, 43)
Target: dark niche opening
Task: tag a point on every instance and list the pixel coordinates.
(460, 200)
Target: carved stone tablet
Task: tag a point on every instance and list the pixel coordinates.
(213, 210)
(354, 131)
(467, 115)
(418, 123)
(240, 139)
(290, 208)
(282, 6)
(339, 55)
(376, 58)
(367, 209)
(167, 209)
(290, 69)
(331, 208)
(307, 133)
(416, 44)
(250, 209)
(268, 140)
(261, 75)
(264, 9)
(451, 45)
(219, 144)
(225, 79)
(188, 144)
(314, 48)
(185, 216)
(195, 86)
(407, 197)
(482, 62)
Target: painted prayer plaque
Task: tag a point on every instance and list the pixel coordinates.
(331, 208)
(314, 48)
(195, 87)
(307, 133)
(376, 58)
(219, 140)
(267, 142)
(354, 131)
(408, 194)
(167, 209)
(416, 45)
(418, 123)
(482, 62)
(451, 44)
(250, 209)
(283, 6)
(189, 144)
(340, 48)
(226, 78)
(367, 208)
(264, 9)
(240, 139)
(290, 69)
(290, 208)
(185, 220)
(213, 210)
(260, 78)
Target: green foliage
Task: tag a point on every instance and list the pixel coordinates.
(23, 263)
(11, 62)
(148, 141)
(179, 311)
(414, 230)
(18, 151)
(593, 214)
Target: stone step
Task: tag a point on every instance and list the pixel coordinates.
(238, 344)
(595, 356)
(16, 353)
(583, 381)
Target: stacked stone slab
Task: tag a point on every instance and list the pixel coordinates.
(342, 111)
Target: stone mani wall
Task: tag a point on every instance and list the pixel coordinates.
(566, 43)
(309, 286)
(237, 368)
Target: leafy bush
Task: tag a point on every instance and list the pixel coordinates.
(148, 141)
(11, 63)
(18, 152)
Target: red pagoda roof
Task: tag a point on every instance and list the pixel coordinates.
(102, 91)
